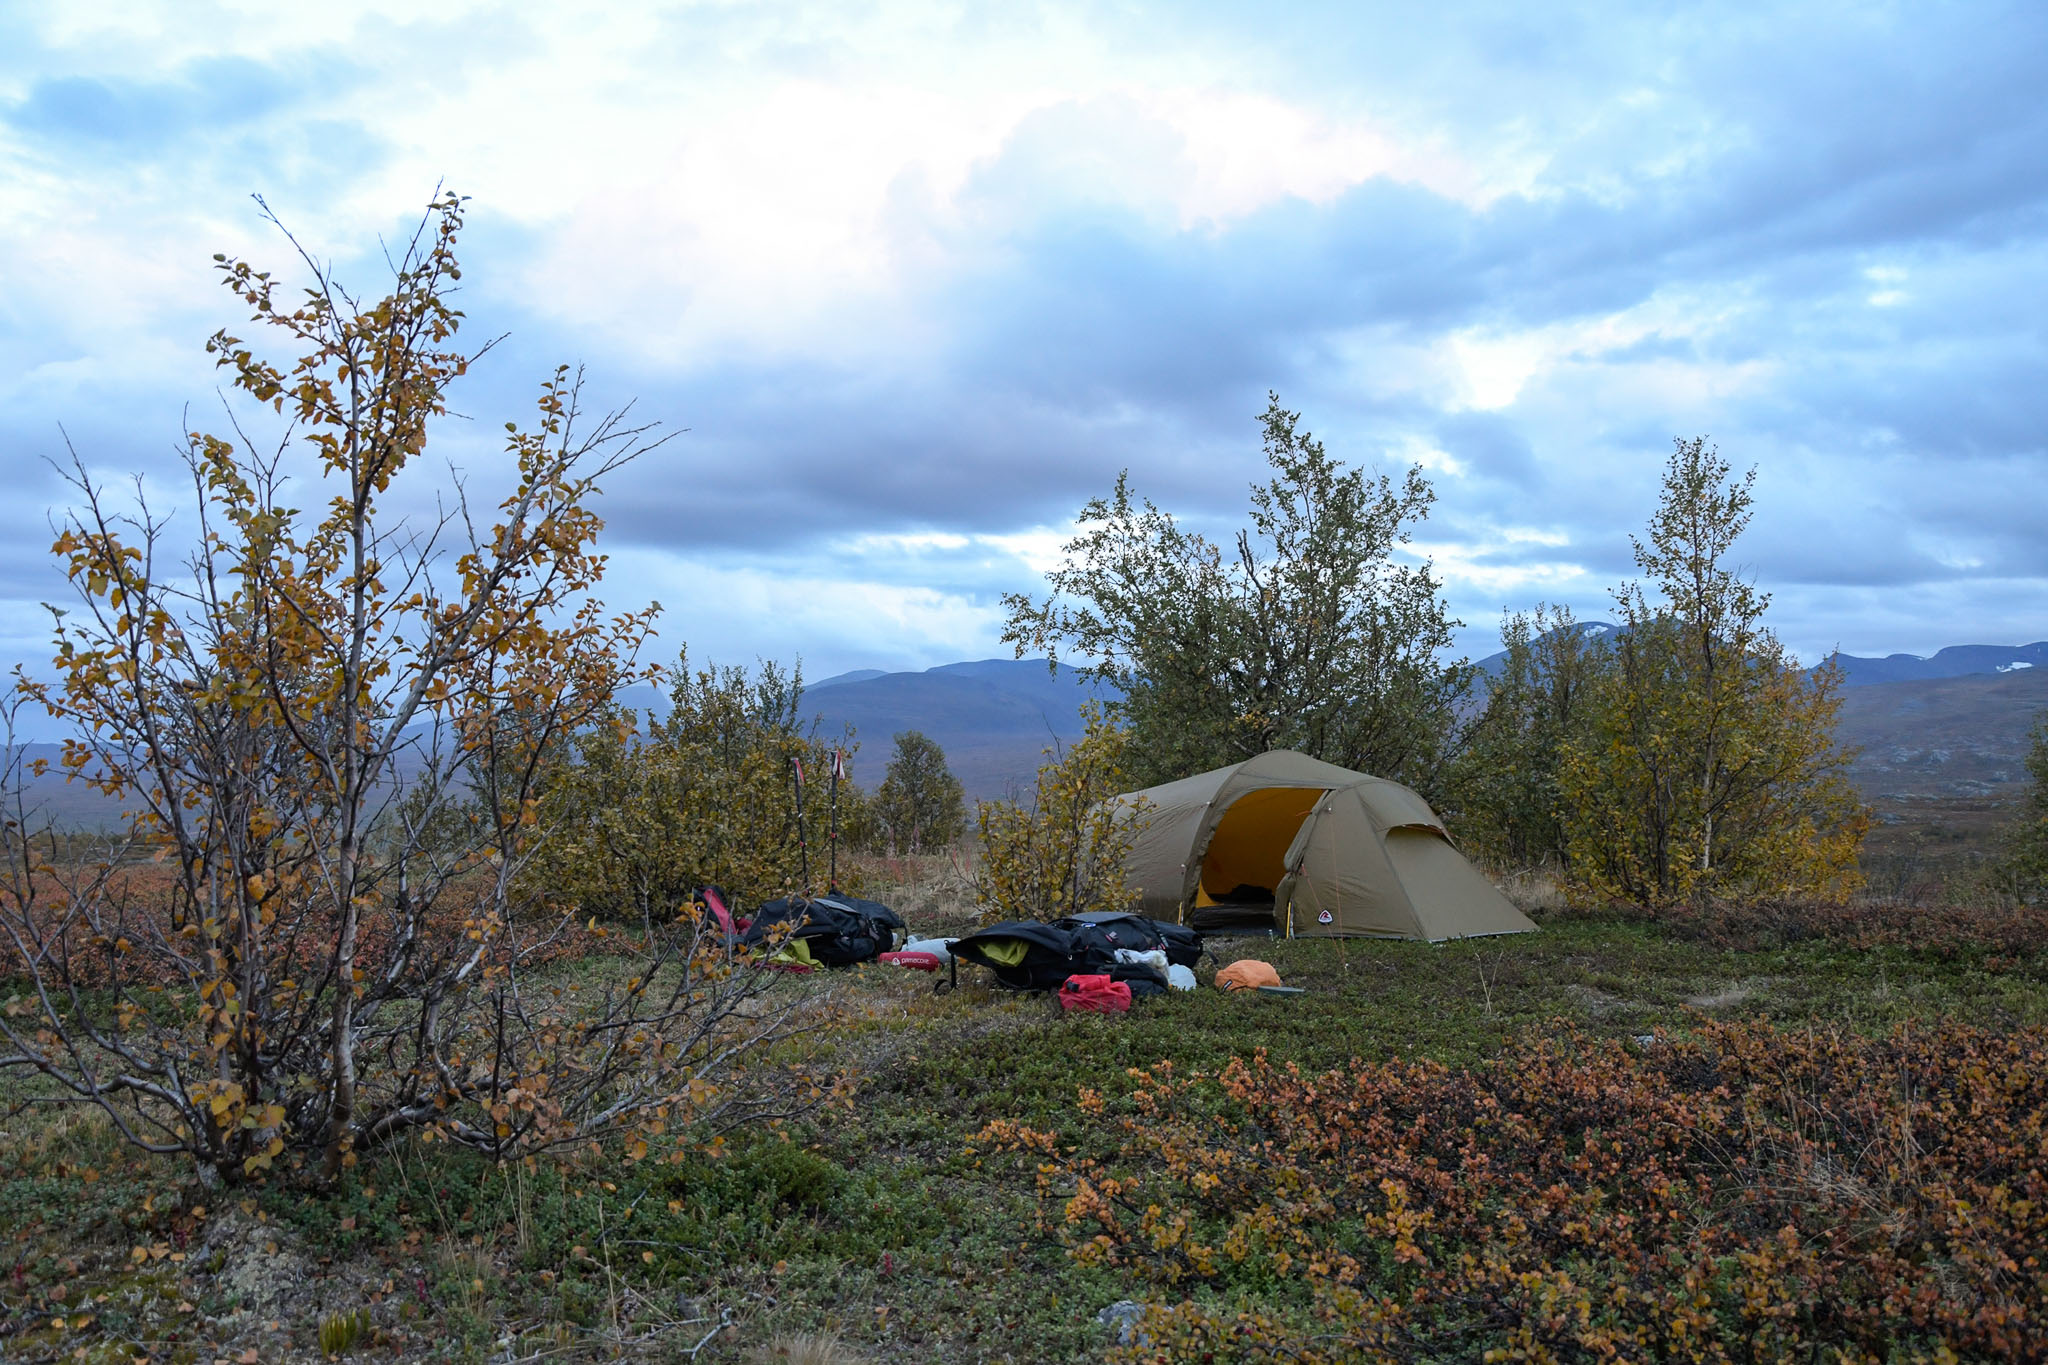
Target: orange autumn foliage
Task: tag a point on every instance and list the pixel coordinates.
(1743, 1194)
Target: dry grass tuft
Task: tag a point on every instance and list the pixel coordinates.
(805, 1348)
(934, 892)
(1727, 996)
(75, 1134)
(1536, 891)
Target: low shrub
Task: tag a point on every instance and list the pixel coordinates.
(1065, 853)
(144, 893)
(704, 792)
(1947, 931)
(1747, 1193)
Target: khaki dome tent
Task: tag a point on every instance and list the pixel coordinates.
(1308, 848)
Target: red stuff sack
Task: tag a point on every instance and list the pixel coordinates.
(1097, 993)
(921, 962)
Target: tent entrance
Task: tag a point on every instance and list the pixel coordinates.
(1247, 856)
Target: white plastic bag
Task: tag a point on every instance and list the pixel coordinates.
(1154, 958)
(1180, 978)
(941, 948)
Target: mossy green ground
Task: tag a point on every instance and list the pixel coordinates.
(877, 1221)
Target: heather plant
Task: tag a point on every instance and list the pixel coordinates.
(1741, 1194)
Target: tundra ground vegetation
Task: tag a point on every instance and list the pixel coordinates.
(1735, 1193)
(886, 1221)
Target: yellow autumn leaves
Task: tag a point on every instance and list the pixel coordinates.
(1064, 853)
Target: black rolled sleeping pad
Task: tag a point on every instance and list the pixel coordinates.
(1103, 933)
(1049, 955)
(1143, 981)
(839, 930)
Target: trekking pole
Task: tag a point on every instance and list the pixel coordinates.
(803, 848)
(832, 838)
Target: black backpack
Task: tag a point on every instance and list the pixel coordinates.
(838, 930)
(878, 915)
(1047, 957)
(1100, 935)
(1080, 946)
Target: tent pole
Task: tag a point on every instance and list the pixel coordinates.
(803, 848)
(832, 838)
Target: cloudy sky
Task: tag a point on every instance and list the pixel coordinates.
(918, 279)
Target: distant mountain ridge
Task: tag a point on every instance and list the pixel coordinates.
(858, 675)
(1490, 667)
(1964, 734)
(1953, 724)
(993, 717)
(1956, 661)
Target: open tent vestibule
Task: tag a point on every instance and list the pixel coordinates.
(1306, 848)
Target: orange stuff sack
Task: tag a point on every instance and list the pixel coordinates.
(1247, 974)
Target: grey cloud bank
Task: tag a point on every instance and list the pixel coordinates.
(1525, 250)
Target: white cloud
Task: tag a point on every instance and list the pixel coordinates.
(1495, 368)
(1463, 568)
(771, 180)
(797, 217)
(1532, 535)
(1041, 549)
(849, 208)
(1243, 150)
(911, 543)
(833, 620)
(1887, 278)
(1417, 451)
(1490, 369)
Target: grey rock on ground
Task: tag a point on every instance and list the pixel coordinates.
(1124, 1316)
